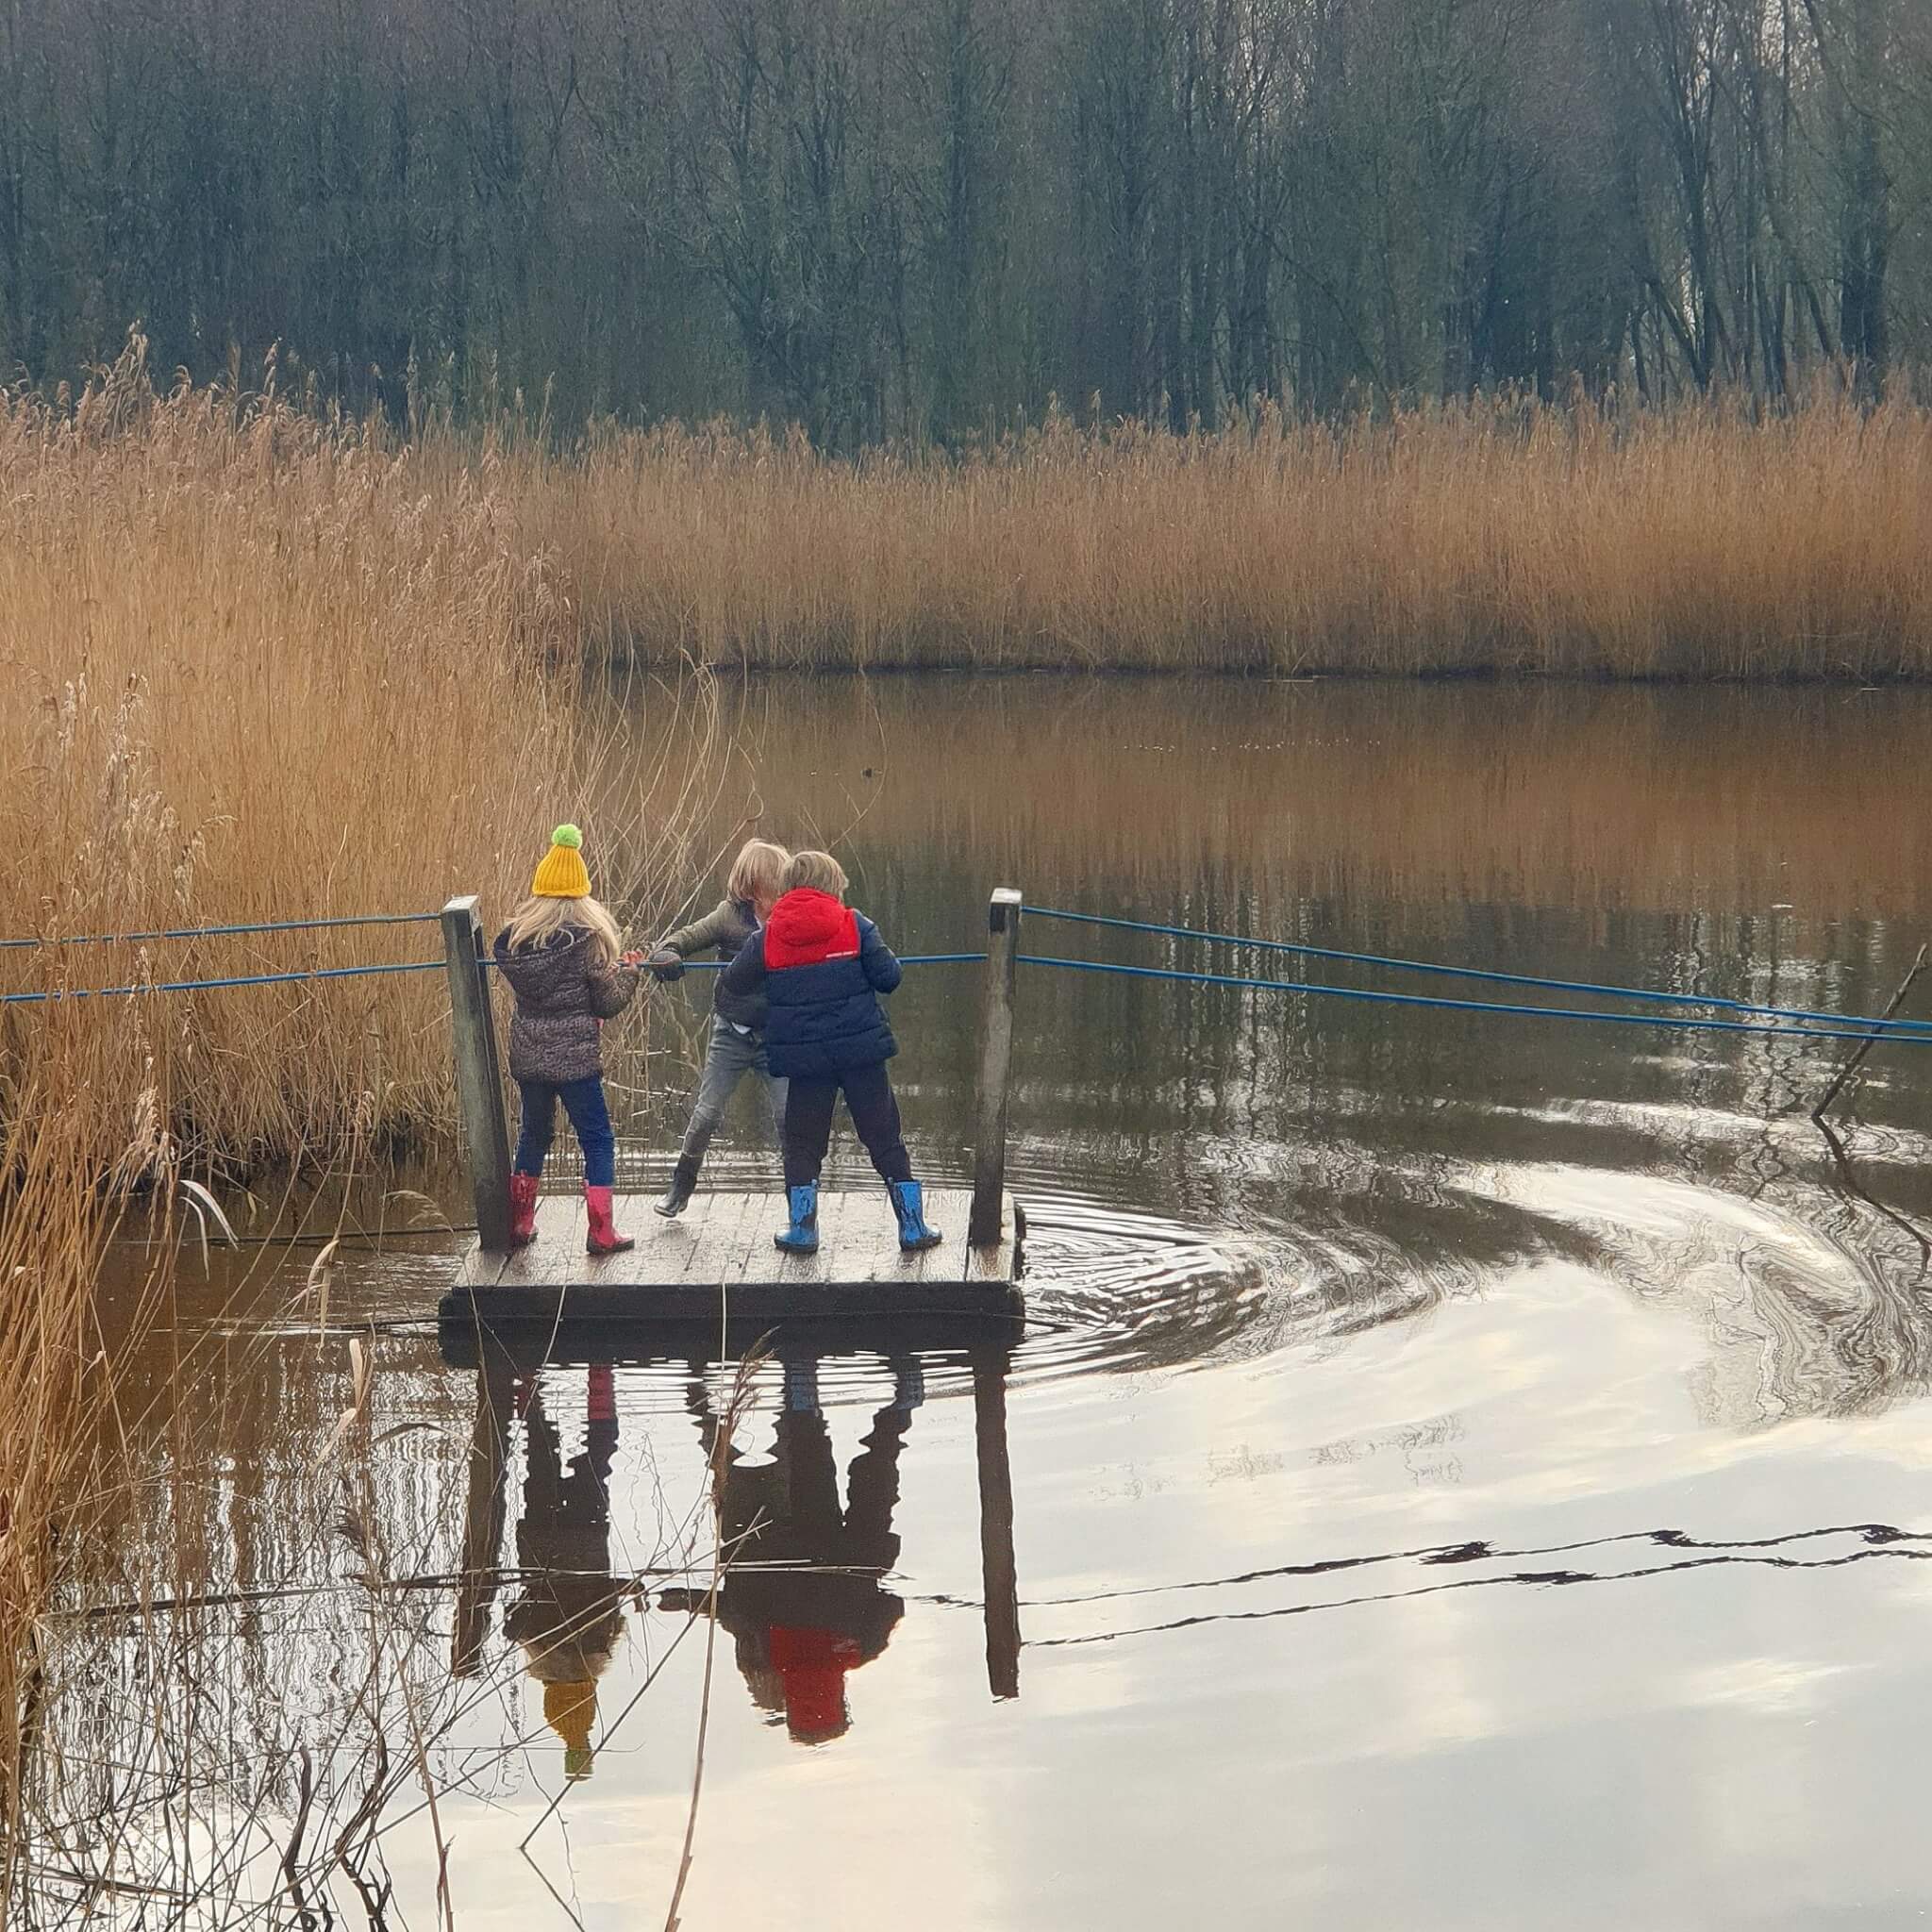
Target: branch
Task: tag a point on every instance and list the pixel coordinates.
(1870, 1040)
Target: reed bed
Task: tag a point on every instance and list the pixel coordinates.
(1499, 536)
(259, 674)
(257, 670)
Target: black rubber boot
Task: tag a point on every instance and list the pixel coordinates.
(684, 1180)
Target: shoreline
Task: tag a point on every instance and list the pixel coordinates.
(1501, 675)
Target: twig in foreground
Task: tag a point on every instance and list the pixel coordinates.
(1870, 1040)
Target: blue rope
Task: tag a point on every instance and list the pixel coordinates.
(1412, 999)
(204, 932)
(1582, 986)
(911, 959)
(107, 993)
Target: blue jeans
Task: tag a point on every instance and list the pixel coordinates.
(583, 1101)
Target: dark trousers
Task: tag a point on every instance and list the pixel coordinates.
(583, 1101)
(874, 1112)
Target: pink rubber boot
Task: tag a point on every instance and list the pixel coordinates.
(522, 1210)
(603, 1238)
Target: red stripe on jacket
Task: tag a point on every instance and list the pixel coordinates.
(806, 928)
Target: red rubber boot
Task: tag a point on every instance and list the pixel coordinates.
(522, 1210)
(603, 1238)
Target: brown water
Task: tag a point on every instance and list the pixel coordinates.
(1464, 1471)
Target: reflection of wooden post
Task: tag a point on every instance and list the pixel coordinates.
(483, 1513)
(995, 1058)
(480, 1078)
(999, 1578)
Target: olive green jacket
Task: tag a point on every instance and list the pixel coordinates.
(725, 929)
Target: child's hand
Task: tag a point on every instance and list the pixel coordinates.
(630, 958)
(666, 966)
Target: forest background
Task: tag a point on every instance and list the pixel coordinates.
(924, 220)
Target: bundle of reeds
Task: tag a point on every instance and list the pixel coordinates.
(259, 673)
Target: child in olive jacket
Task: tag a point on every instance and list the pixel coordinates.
(561, 956)
(737, 1045)
(821, 967)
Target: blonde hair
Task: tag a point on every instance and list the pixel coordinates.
(758, 871)
(536, 921)
(817, 871)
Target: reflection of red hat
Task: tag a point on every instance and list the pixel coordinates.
(813, 1664)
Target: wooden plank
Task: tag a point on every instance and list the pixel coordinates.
(999, 1260)
(482, 1268)
(669, 1245)
(726, 1237)
(745, 1241)
(678, 1273)
(671, 1241)
(721, 1252)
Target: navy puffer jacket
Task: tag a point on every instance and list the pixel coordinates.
(821, 967)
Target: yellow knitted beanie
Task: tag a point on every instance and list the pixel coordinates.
(570, 1709)
(562, 874)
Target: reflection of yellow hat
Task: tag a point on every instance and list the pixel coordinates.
(570, 1710)
(562, 874)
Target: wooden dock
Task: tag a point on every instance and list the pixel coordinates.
(716, 1261)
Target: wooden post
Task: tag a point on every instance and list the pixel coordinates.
(480, 1078)
(995, 1057)
(999, 1576)
(483, 1514)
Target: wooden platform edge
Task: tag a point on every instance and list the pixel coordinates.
(761, 1307)
(955, 1283)
(522, 1346)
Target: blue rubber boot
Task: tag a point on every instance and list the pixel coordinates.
(802, 1387)
(908, 1206)
(802, 1236)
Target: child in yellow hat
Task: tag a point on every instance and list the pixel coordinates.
(562, 959)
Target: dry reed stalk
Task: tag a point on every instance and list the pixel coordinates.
(261, 668)
(54, 1441)
(1499, 534)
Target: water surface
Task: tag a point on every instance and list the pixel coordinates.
(1464, 1471)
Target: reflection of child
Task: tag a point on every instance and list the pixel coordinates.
(802, 1628)
(737, 1044)
(822, 966)
(568, 1619)
(562, 959)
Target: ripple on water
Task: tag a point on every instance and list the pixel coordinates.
(1110, 1291)
(1810, 1298)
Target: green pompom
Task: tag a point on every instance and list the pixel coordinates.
(567, 834)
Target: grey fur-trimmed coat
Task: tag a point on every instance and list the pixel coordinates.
(563, 998)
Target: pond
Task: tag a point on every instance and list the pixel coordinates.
(1460, 1470)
